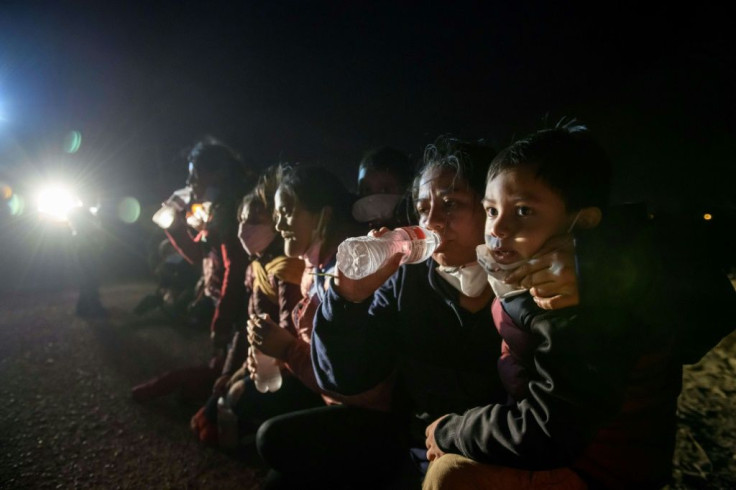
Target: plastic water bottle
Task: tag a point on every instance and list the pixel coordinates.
(358, 257)
(227, 424)
(175, 204)
(268, 373)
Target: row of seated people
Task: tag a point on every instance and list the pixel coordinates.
(540, 346)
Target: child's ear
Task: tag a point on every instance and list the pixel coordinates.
(590, 217)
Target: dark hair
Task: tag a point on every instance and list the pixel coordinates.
(314, 188)
(469, 161)
(211, 155)
(387, 159)
(567, 159)
(264, 190)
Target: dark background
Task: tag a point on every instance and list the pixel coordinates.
(325, 81)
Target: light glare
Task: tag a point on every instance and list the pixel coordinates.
(129, 210)
(55, 202)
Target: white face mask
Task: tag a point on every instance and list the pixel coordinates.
(375, 208)
(255, 238)
(468, 279)
(496, 272)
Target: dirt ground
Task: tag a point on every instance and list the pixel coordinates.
(67, 419)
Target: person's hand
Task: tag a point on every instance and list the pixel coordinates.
(550, 277)
(268, 337)
(179, 221)
(433, 451)
(221, 385)
(357, 290)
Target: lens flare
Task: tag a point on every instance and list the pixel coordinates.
(16, 204)
(707, 216)
(6, 192)
(129, 210)
(72, 141)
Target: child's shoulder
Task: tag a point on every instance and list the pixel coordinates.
(521, 309)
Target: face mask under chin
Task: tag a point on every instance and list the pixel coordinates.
(468, 279)
(497, 272)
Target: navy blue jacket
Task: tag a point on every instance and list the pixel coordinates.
(443, 356)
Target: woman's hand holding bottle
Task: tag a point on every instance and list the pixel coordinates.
(358, 290)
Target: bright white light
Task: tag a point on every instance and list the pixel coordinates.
(55, 202)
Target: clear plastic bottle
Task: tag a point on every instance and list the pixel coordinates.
(358, 257)
(227, 424)
(177, 203)
(268, 373)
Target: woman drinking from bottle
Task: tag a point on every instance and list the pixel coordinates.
(425, 331)
(421, 333)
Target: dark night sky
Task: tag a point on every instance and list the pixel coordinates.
(325, 81)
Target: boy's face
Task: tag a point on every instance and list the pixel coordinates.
(522, 212)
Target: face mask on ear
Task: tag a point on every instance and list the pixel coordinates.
(468, 279)
(256, 238)
(376, 207)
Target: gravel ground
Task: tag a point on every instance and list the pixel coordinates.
(67, 420)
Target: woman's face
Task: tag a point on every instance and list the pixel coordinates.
(296, 225)
(454, 211)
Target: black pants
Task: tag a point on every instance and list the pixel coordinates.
(337, 447)
(254, 407)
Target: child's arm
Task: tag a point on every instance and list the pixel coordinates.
(580, 384)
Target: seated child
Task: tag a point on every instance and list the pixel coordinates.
(593, 388)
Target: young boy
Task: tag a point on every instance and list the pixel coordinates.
(593, 388)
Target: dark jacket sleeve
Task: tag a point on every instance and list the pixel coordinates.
(580, 385)
(351, 349)
(233, 297)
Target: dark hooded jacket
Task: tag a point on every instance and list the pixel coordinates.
(595, 387)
